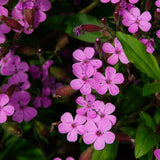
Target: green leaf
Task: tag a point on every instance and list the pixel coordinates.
(108, 153)
(151, 88)
(145, 119)
(147, 156)
(145, 140)
(157, 116)
(136, 53)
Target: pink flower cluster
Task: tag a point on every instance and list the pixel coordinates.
(48, 82)
(93, 121)
(89, 78)
(11, 65)
(26, 15)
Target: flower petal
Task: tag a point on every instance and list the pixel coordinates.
(76, 84)
(113, 89)
(88, 52)
(89, 138)
(109, 137)
(72, 136)
(64, 127)
(99, 143)
(108, 48)
(67, 118)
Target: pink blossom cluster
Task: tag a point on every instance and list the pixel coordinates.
(11, 65)
(93, 121)
(117, 1)
(48, 82)
(26, 16)
(89, 78)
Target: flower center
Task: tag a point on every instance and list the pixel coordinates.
(85, 61)
(98, 133)
(73, 125)
(84, 78)
(108, 81)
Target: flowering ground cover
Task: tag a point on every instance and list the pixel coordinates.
(80, 80)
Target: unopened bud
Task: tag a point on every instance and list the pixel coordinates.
(104, 21)
(29, 16)
(98, 44)
(64, 91)
(10, 90)
(27, 50)
(91, 28)
(40, 51)
(157, 15)
(123, 138)
(87, 154)
(116, 17)
(59, 73)
(11, 22)
(148, 5)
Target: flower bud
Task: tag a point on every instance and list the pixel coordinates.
(91, 28)
(29, 16)
(116, 17)
(87, 154)
(123, 138)
(11, 22)
(64, 91)
(27, 50)
(10, 90)
(104, 21)
(148, 5)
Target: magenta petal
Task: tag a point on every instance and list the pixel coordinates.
(112, 118)
(72, 136)
(46, 102)
(89, 71)
(3, 2)
(99, 143)
(102, 89)
(157, 153)
(3, 11)
(81, 111)
(88, 53)
(109, 137)
(67, 118)
(18, 116)
(8, 110)
(23, 67)
(91, 114)
(96, 63)
(105, 125)
(37, 102)
(76, 84)
(123, 58)
(90, 98)
(79, 119)
(64, 127)
(113, 89)
(86, 89)
(43, 5)
(4, 28)
(2, 38)
(118, 78)
(133, 28)
(146, 16)
(115, 1)
(80, 101)
(4, 99)
(3, 117)
(39, 17)
(157, 3)
(90, 126)
(109, 72)
(89, 138)
(113, 59)
(29, 113)
(104, 1)
(109, 108)
(144, 26)
(24, 97)
(117, 44)
(108, 48)
(78, 55)
(135, 12)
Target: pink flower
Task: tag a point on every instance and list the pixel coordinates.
(83, 81)
(117, 51)
(88, 106)
(133, 1)
(104, 111)
(149, 44)
(85, 58)
(103, 84)
(22, 110)
(157, 3)
(157, 153)
(134, 20)
(68, 158)
(112, 1)
(98, 134)
(158, 33)
(5, 110)
(72, 126)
